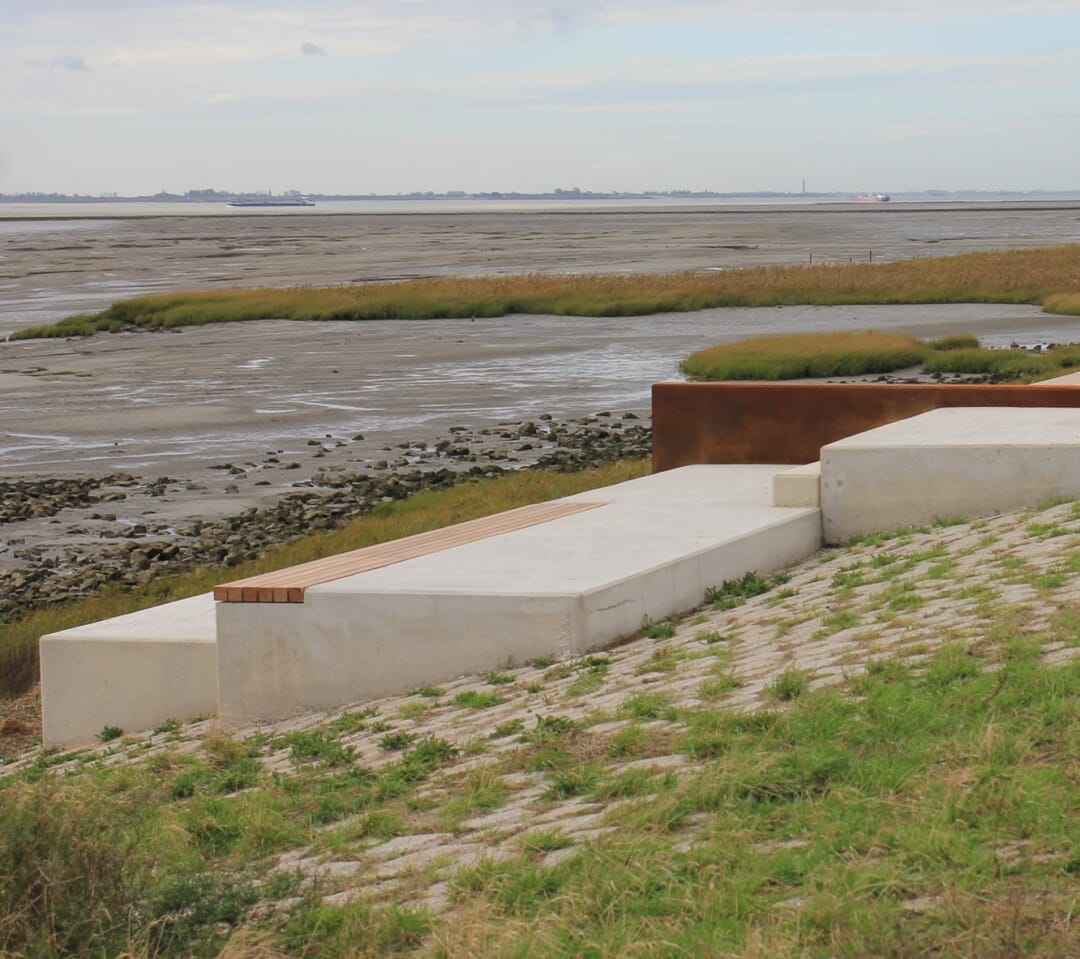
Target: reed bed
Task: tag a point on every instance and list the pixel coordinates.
(814, 355)
(807, 355)
(1010, 364)
(1048, 276)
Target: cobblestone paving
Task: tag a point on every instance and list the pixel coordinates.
(623, 709)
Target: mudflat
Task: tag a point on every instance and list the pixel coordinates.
(241, 416)
(52, 267)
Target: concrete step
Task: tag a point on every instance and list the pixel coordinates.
(799, 486)
(131, 672)
(956, 463)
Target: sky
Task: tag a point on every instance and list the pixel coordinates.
(394, 96)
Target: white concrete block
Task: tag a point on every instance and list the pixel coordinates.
(800, 486)
(1066, 379)
(947, 463)
(133, 671)
(559, 588)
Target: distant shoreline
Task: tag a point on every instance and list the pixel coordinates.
(99, 210)
(572, 195)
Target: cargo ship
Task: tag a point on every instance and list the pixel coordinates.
(871, 198)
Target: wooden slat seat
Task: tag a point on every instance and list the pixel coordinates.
(288, 585)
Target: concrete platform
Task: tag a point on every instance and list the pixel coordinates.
(578, 579)
(133, 672)
(961, 462)
(557, 589)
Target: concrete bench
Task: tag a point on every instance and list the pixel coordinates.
(554, 579)
(136, 671)
(558, 588)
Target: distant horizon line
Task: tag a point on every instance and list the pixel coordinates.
(215, 195)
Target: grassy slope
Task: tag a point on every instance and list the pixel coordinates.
(876, 756)
(1048, 276)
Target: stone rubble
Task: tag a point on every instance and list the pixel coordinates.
(98, 544)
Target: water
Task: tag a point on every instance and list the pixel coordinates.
(52, 267)
(213, 393)
(173, 401)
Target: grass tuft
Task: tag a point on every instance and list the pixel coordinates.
(805, 355)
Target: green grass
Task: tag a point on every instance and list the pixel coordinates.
(797, 356)
(163, 857)
(734, 592)
(885, 825)
(1011, 364)
(789, 685)
(926, 806)
(1049, 276)
(817, 355)
(664, 630)
(471, 699)
(422, 512)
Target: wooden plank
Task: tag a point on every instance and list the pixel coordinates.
(288, 585)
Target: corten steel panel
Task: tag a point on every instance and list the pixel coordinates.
(790, 422)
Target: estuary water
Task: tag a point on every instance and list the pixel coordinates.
(137, 401)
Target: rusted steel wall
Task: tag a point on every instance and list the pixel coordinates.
(790, 422)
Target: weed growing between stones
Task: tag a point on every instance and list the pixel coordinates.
(471, 699)
(734, 592)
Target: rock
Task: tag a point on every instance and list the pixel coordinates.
(131, 555)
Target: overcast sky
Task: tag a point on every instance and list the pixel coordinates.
(387, 96)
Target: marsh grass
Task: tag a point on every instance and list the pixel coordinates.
(797, 356)
(1004, 364)
(818, 355)
(1050, 276)
(428, 510)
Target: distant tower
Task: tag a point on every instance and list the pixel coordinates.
(804, 186)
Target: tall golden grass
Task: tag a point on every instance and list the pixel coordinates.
(1048, 276)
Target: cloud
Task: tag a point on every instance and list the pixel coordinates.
(68, 62)
(311, 50)
(562, 19)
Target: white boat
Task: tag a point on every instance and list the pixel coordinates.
(871, 198)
